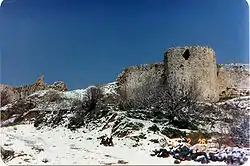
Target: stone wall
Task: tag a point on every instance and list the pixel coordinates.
(134, 78)
(188, 65)
(191, 66)
(232, 76)
(10, 94)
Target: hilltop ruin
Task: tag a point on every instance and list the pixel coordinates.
(185, 65)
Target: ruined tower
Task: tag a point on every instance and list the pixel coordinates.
(193, 65)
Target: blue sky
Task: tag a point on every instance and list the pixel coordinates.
(86, 42)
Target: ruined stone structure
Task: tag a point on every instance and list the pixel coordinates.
(10, 94)
(186, 65)
(193, 66)
(29, 89)
(134, 78)
(232, 77)
(40, 85)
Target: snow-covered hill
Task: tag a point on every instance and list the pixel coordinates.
(133, 135)
(62, 146)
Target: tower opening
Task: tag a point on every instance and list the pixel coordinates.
(186, 54)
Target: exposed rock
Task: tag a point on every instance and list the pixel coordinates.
(27, 90)
(173, 133)
(109, 94)
(18, 108)
(6, 153)
(154, 128)
(45, 160)
(8, 94)
(122, 162)
(177, 161)
(59, 86)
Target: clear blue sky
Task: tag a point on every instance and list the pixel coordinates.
(86, 42)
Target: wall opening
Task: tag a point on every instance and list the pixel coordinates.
(186, 54)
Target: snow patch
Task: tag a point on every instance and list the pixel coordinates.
(109, 89)
(79, 94)
(62, 146)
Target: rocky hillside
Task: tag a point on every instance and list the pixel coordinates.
(68, 127)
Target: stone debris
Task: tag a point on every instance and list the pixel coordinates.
(203, 153)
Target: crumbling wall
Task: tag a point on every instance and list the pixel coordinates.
(193, 66)
(232, 77)
(10, 94)
(134, 78)
(188, 66)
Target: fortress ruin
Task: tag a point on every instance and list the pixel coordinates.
(182, 66)
(193, 65)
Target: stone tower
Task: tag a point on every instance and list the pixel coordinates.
(196, 65)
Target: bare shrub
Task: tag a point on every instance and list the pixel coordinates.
(87, 109)
(79, 113)
(231, 120)
(238, 119)
(178, 102)
(93, 95)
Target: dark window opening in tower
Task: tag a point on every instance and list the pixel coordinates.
(186, 54)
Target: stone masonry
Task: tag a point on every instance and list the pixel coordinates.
(193, 66)
(186, 65)
(10, 94)
(231, 77)
(134, 78)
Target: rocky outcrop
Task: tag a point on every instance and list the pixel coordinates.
(8, 94)
(16, 109)
(6, 153)
(52, 107)
(26, 90)
(59, 86)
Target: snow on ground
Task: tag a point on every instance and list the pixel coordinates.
(243, 101)
(109, 89)
(79, 94)
(62, 146)
(232, 66)
(39, 93)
